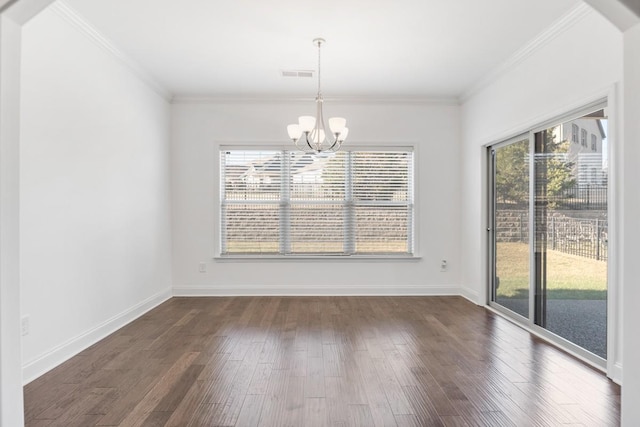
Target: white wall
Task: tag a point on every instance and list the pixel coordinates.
(11, 413)
(576, 67)
(581, 64)
(631, 221)
(197, 127)
(94, 192)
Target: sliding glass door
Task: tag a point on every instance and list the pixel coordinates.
(553, 181)
(571, 231)
(510, 203)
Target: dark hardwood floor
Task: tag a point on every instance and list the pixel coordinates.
(321, 361)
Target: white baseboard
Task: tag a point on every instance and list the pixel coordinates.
(328, 290)
(616, 373)
(470, 294)
(59, 354)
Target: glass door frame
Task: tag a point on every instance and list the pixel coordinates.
(491, 228)
(529, 322)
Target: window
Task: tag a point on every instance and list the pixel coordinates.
(574, 133)
(583, 137)
(289, 202)
(594, 143)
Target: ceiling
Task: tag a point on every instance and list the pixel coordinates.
(374, 48)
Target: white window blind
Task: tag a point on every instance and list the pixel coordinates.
(289, 202)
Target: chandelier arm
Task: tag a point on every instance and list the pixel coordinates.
(320, 123)
(307, 139)
(316, 137)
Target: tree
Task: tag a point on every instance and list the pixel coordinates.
(554, 173)
(512, 174)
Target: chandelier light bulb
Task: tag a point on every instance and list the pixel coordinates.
(337, 124)
(306, 123)
(294, 132)
(317, 137)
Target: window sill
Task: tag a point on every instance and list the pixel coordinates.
(361, 258)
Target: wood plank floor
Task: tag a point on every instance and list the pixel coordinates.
(321, 361)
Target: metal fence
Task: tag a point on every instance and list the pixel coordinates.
(581, 197)
(583, 237)
(576, 236)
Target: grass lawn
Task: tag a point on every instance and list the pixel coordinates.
(568, 276)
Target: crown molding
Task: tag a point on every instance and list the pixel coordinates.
(70, 15)
(275, 99)
(624, 14)
(563, 24)
(21, 12)
(4, 4)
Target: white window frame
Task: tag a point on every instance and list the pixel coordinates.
(414, 226)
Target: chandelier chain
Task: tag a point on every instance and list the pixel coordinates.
(319, 45)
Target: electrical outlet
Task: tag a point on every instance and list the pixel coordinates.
(25, 325)
(202, 268)
(443, 265)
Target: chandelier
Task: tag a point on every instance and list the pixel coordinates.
(315, 139)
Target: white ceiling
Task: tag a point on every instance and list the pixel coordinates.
(375, 48)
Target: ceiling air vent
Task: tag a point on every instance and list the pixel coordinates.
(297, 73)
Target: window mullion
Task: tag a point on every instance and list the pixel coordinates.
(349, 216)
(285, 203)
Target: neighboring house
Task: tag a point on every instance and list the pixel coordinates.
(305, 169)
(586, 136)
(586, 150)
(234, 174)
